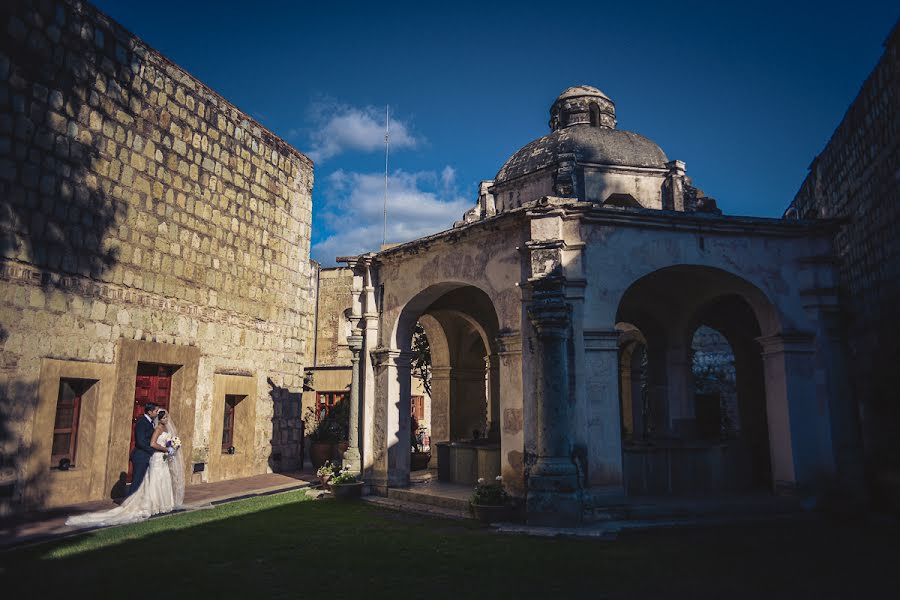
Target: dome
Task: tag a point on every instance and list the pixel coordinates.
(577, 91)
(596, 145)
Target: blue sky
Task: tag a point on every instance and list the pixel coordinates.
(746, 94)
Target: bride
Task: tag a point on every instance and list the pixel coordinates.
(161, 491)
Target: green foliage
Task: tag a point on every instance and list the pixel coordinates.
(490, 494)
(421, 361)
(326, 470)
(326, 429)
(345, 476)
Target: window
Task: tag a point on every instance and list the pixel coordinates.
(417, 408)
(594, 114)
(326, 401)
(231, 402)
(65, 427)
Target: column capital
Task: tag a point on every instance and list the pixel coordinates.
(509, 342)
(389, 357)
(355, 342)
(787, 341)
(438, 373)
(549, 312)
(601, 340)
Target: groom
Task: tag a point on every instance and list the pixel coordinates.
(140, 456)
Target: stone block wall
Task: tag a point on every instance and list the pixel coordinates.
(855, 177)
(137, 203)
(332, 326)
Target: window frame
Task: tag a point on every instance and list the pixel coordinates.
(78, 387)
(231, 402)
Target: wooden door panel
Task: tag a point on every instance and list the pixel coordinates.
(153, 383)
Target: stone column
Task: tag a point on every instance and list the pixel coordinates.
(512, 424)
(492, 390)
(352, 458)
(799, 434)
(392, 447)
(554, 497)
(679, 392)
(440, 410)
(602, 370)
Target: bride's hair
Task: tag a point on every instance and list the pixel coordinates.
(162, 414)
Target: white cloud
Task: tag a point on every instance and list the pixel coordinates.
(338, 128)
(419, 204)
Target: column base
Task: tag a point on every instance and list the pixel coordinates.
(554, 498)
(352, 460)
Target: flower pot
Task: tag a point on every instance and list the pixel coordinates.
(347, 491)
(491, 514)
(319, 452)
(341, 448)
(419, 460)
(323, 479)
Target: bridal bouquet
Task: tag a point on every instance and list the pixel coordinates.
(173, 445)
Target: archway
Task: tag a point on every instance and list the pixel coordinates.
(692, 383)
(461, 326)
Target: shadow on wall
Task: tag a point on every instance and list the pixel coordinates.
(66, 113)
(16, 408)
(288, 451)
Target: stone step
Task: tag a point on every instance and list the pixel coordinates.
(410, 495)
(417, 508)
(668, 509)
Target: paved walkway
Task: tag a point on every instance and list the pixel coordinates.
(50, 523)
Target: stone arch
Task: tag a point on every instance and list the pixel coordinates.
(668, 305)
(463, 322)
(687, 285)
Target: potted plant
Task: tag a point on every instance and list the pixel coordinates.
(323, 434)
(345, 485)
(419, 454)
(340, 416)
(325, 473)
(489, 502)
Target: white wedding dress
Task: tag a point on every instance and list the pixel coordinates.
(159, 493)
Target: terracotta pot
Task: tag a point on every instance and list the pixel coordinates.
(319, 452)
(341, 448)
(491, 514)
(347, 491)
(323, 479)
(419, 460)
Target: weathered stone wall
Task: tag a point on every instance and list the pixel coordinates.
(137, 203)
(332, 327)
(855, 176)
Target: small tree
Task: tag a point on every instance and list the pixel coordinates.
(421, 361)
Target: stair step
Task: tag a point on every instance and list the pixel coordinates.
(430, 510)
(411, 495)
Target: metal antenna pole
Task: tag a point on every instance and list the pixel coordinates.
(387, 121)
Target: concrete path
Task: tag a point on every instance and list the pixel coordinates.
(50, 523)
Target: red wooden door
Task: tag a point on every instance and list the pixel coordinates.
(152, 384)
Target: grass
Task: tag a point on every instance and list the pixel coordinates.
(286, 546)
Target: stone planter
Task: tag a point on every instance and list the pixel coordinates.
(323, 480)
(347, 491)
(418, 461)
(491, 514)
(319, 452)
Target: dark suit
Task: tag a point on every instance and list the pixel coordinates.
(140, 456)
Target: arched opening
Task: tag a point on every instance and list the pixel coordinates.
(463, 423)
(594, 114)
(691, 383)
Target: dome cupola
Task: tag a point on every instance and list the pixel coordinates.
(582, 105)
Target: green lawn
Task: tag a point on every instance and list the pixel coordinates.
(286, 546)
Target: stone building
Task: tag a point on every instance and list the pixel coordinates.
(586, 267)
(329, 372)
(155, 246)
(855, 178)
